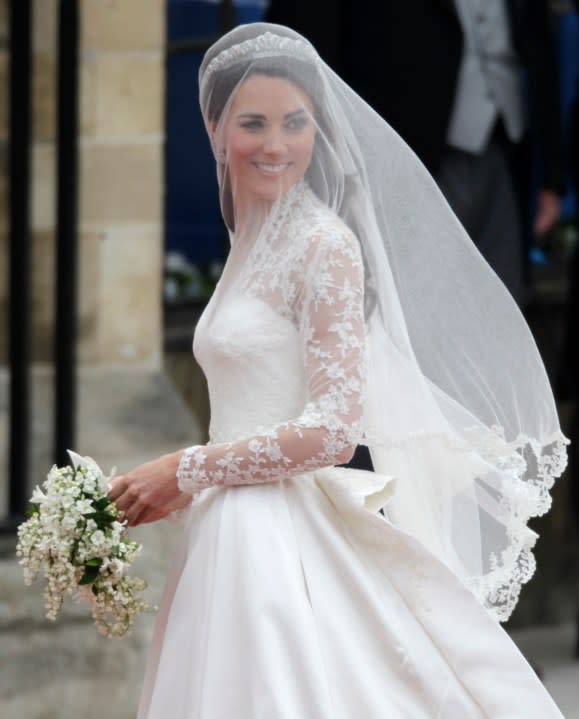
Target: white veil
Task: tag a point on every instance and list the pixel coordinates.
(458, 407)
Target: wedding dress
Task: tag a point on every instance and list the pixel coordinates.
(291, 597)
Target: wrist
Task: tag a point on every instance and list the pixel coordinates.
(172, 461)
(187, 469)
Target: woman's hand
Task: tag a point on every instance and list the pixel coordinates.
(150, 491)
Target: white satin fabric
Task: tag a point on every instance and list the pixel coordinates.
(294, 599)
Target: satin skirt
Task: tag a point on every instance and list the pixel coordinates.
(291, 600)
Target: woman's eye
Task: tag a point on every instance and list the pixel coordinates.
(252, 125)
(297, 123)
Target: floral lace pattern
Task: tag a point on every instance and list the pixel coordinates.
(520, 498)
(316, 281)
(499, 589)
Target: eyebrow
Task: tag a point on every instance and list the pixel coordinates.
(259, 116)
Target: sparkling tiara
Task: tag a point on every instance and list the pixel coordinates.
(266, 45)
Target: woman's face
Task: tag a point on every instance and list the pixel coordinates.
(268, 138)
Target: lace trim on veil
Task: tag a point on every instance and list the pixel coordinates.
(521, 499)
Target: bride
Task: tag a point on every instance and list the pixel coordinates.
(353, 309)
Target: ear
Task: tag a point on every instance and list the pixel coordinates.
(212, 130)
(216, 138)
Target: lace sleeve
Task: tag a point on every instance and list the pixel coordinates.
(330, 317)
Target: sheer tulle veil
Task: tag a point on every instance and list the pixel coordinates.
(459, 407)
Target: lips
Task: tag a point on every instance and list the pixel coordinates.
(270, 169)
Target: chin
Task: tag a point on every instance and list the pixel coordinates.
(273, 191)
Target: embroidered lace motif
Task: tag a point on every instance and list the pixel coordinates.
(499, 589)
(316, 281)
(521, 499)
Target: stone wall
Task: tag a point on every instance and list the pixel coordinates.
(121, 175)
(128, 409)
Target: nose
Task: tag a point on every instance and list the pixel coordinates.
(274, 143)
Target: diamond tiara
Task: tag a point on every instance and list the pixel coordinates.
(266, 45)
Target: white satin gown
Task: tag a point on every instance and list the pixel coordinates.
(291, 597)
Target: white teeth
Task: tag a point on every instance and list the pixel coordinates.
(271, 168)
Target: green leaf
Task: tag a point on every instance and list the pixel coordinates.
(103, 519)
(90, 574)
(74, 550)
(31, 511)
(95, 562)
(101, 503)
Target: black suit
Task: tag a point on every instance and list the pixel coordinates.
(403, 57)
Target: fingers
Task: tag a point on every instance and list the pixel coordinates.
(137, 513)
(117, 487)
(137, 505)
(155, 513)
(133, 507)
(142, 513)
(123, 496)
(146, 493)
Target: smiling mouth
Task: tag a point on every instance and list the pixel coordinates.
(272, 170)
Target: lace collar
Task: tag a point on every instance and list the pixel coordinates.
(283, 209)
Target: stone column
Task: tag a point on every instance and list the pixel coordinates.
(121, 161)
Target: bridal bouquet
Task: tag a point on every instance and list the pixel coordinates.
(74, 534)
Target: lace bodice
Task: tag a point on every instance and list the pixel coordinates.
(284, 355)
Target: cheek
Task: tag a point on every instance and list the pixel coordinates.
(242, 147)
(304, 149)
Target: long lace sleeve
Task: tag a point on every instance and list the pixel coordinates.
(330, 317)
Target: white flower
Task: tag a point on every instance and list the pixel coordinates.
(89, 485)
(78, 461)
(98, 537)
(38, 496)
(118, 566)
(67, 501)
(69, 522)
(84, 506)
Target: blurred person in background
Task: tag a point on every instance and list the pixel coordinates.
(466, 83)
